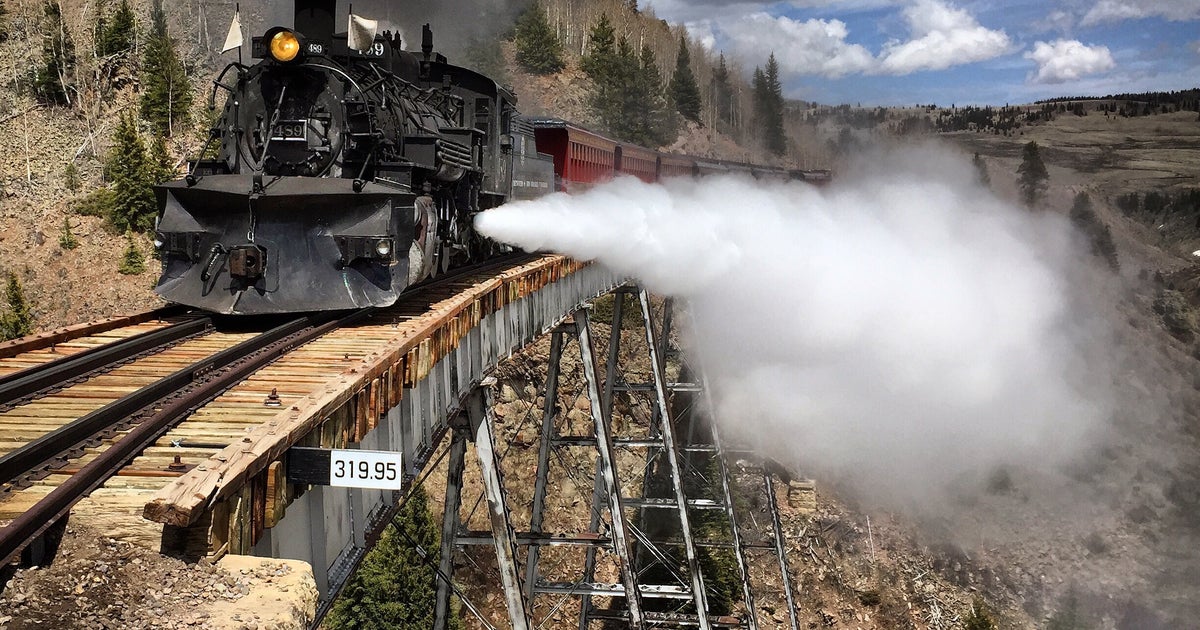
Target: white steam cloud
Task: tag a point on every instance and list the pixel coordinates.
(900, 327)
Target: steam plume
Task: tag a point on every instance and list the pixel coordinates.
(899, 326)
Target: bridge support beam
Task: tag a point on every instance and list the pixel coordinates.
(450, 522)
(479, 408)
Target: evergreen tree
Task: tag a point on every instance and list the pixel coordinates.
(485, 57)
(538, 48)
(981, 172)
(655, 116)
(132, 176)
(1033, 177)
(601, 57)
(1084, 217)
(684, 92)
(166, 90)
(394, 587)
(17, 321)
(52, 80)
(66, 237)
(722, 93)
(133, 261)
(71, 177)
(117, 34)
(773, 123)
(160, 164)
(628, 95)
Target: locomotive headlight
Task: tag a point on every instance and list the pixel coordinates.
(383, 247)
(284, 46)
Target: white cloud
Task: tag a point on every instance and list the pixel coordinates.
(1068, 60)
(1120, 10)
(943, 36)
(808, 47)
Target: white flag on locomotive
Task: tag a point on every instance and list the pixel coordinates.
(234, 38)
(360, 34)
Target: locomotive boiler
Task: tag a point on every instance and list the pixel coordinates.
(337, 176)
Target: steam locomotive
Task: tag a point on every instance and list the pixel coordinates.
(341, 176)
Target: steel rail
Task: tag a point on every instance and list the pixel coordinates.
(222, 371)
(38, 378)
(38, 341)
(41, 452)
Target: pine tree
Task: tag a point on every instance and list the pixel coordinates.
(52, 80)
(1084, 217)
(116, 35)
(1032, 175)
(71, 177)
(685, 94)
(602, 52)
(981, 172)
(66, 237)
(394, 588)
(485, 57)
(132, 173)
(609, 69)
(17, 321)
(133, 261)
(166, 90)
(160, 164)
(773, 123)
(538, 48)
(722, 93)
(761, 101)
(655, 116)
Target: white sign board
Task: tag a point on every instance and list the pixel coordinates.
(366, 469)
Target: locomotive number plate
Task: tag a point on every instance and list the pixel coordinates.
(287, 130)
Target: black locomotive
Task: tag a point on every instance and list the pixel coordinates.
(341, 176)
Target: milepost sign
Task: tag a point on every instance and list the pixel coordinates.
(347, 468)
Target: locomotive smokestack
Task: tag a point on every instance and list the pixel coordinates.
(427, 42)
(315, 19)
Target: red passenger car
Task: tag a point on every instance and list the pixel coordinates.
(672, 165)
(639, 162)
(580, 156)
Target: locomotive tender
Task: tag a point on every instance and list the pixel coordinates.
(343, 176)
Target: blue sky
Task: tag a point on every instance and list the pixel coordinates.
(898, 52)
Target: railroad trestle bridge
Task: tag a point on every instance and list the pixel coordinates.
(417, 376)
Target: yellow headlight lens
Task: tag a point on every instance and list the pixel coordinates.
(284, 46)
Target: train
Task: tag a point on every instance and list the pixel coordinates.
(337, 176)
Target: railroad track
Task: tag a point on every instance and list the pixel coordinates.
(106, 409)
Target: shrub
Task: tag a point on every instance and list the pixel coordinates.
(1176, 314)
(979, 617)
(98, 203)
